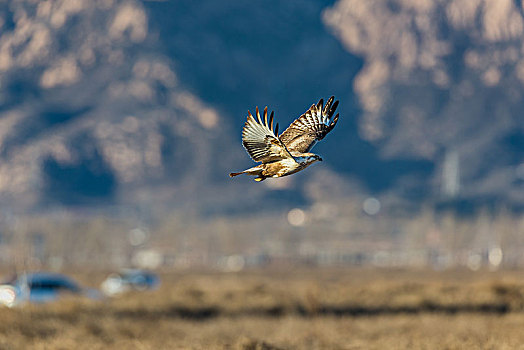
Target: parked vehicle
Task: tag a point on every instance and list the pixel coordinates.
(128, 280)
(41, 287)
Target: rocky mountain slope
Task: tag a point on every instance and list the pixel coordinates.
(442, 81)
(92, 110)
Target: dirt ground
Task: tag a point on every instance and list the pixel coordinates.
(291, 309)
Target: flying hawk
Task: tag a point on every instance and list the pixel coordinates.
(288, 153)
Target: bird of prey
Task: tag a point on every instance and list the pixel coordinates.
(287, 153)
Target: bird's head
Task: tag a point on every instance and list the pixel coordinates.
(316, 158)
(311, 158)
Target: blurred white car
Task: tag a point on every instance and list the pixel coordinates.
(129, 280)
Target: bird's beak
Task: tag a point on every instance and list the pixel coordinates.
(319, 159)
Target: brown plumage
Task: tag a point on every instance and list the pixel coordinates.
(288, 153)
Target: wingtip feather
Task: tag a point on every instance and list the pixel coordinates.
(334, 121)
(327, 107)
(258, 115)
(333, 108)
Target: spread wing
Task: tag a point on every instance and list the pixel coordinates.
(260, 140)
(310, 127)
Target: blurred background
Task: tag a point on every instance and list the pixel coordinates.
(121, 119)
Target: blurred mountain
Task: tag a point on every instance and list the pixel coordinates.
(443, 81)
(122, 101)
(91, 109)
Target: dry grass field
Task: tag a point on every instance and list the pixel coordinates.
(291, 309)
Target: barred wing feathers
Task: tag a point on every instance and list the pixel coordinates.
(310, 127)
(260, 140)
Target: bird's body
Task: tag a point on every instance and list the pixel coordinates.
(284, 167)
(288, 153)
